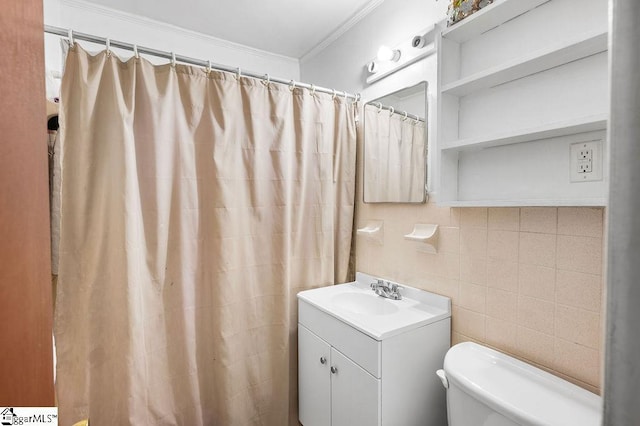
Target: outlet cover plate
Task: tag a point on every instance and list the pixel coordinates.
(585, 156)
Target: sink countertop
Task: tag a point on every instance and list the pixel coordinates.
(416, 308)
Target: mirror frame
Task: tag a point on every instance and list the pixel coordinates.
(425, 193)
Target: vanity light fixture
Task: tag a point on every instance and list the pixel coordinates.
(420, 41)
(386, 54)
(401, 55)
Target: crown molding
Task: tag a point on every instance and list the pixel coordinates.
(350, 23)
(152, 23)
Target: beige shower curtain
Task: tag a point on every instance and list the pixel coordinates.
(194, 207)
(394, 157)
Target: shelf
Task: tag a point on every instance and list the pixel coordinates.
(489, 17)
(426, 235)
(552, 130)
(579, 202)
(372, 231)
(569, 51)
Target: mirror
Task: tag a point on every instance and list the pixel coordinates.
(395, 147)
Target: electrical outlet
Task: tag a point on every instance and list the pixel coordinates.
(585, 167)
(585, 154)
(586, 161)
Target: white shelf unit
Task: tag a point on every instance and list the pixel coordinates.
(546, 131)
(527, 78)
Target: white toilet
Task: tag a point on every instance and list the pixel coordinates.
(489, 388)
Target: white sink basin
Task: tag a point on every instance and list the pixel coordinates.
(357, 305)
(362, 303)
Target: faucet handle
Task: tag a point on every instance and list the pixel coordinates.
(395, 291)
(376, 284)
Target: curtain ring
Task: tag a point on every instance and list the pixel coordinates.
(405, 116)
(208, 68)
(71, 40)
(313, 90)
(416, 121)
(292, 85)
(333, 93)
(108, 46)
(266, 80)
(135, 51)
(358, 97)
(239, 73)
(391, 111)
(379, 107)
(345, 96)
(173, 60)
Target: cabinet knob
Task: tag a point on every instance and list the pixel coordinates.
(334, 370)
(323, 360)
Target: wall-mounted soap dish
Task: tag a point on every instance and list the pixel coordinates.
(426, 235)
(372, 231)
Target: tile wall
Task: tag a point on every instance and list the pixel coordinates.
(526, 281)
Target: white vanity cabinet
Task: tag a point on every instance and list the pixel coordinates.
(365, 360)
(333, 389)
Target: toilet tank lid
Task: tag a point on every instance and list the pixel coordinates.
(518, 390)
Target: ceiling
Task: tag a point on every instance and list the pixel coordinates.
(287, 27)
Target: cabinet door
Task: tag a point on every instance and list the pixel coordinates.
(314, 379)
(355, 394)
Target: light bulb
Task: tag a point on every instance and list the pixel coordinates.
(385, 53)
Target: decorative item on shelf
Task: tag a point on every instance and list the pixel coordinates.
(373, 231)
(426, 234)
(460, 9)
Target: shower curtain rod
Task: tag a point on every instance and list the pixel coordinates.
(392, 110)
(72, 35)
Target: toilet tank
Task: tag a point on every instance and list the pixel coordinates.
(489, 388)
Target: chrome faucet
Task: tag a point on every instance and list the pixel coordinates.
(387, 289)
